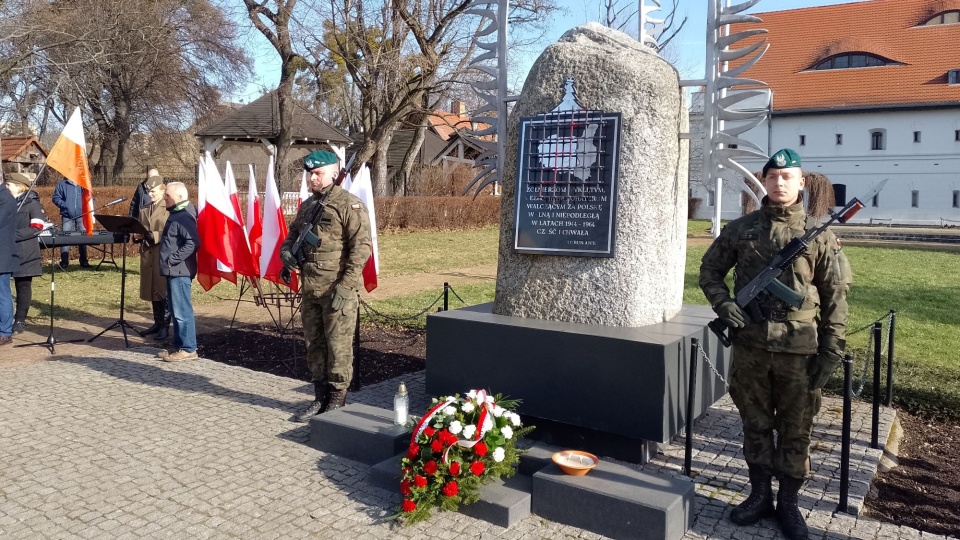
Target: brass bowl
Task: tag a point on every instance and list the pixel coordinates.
(575, 462)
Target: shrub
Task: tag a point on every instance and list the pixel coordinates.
(693, 206)
(436, 213)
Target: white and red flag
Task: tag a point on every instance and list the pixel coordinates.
(362, 187)
(207, 273)
(221, 231)
(243, 264)
(68, 156)
(304, 192)
(274, 233)
(254, 222)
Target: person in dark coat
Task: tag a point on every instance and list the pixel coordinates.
(68, 196)
(141, 197)
(178, 262)
(31, 220)
(9, 261)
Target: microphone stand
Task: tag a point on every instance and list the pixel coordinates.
(124, 225)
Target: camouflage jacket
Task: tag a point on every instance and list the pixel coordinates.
(345, 243)
(822, 275)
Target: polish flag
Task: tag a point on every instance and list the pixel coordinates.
(221, 231)
(274, 233)
(362, 187)
(254, 222)
(244, 264)
(304, 192)
(207, 273)
(68, 156)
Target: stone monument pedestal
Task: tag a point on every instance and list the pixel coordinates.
(613, 391)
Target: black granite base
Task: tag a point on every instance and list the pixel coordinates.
(629, 383)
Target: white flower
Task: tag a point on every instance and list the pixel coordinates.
(498, 454)
(469, 431)
(505, 431)
(515, 419)
(498, 411)
(456, 427)
(489, 399)
(487, 424)
(472, 394)
(434, 400)
(467, 407)
(449, 410)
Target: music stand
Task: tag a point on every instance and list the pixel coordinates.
(51, 341)
(126, 226)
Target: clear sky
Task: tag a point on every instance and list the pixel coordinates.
(689, 45)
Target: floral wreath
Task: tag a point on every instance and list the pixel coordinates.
(458, 445)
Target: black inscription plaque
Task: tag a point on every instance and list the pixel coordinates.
(567, 183)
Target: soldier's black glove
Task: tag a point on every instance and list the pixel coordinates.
(340, 296)
(731, 314)
(821, 367)
(288, 259)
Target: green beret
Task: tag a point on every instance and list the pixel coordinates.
(153, 182)
(25, 179)
(319, 158)
(783, 159)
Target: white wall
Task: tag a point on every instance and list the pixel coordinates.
(931, 166)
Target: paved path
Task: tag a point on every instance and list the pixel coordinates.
(117, 445)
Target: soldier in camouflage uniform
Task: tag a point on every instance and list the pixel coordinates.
(780, 363)
(331, 279)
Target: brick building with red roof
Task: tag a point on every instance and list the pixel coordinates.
(867, 91)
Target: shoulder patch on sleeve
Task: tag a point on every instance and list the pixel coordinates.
(355, 206)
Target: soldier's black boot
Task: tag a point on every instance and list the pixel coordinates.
(788, 513)
(164, 332)
(318, 406)
(338, 398)
(759, 504)
(157, 319)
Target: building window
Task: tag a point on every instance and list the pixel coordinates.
(711, 197)
(945, 17)
(916, 136)
(839, 138)
(956, 198)
(915, 199)
(956, 134)
(876, 139)
(876, 201)
(803, 140)
(953, 76)
(854, 60)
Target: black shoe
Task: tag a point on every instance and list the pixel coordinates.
(62, 265)
(153, 329)
(759, 504)
(85, 265)
(788, 512)
(338, 398)
(163, 333)
(313, 410)
(19, 327)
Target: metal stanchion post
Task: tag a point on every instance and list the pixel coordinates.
(845, 434)
(893, 326)
(691, 392)
(446, 296)
(875, 425)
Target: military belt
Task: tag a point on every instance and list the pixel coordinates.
(782, 315)
(323, 256)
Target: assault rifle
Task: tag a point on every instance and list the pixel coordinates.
(766, 283)
(306, 230)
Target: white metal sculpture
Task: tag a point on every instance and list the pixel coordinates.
(721, 144)
(650, 28)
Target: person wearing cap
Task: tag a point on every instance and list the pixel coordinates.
(781, 362)
(9, 259)
(31, 220)
(153, 285)
(141, 196)
(68, 197)
(331, 278)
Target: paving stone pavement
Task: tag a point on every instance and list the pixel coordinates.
(118, 445)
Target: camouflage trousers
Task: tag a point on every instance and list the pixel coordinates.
(772, 392)
(329, 338)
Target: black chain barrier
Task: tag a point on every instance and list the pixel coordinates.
(373, 314)
(862, 380)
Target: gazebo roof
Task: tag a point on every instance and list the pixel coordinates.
(260, 119)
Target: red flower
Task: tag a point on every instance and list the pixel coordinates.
(430, 467)
(436, 446)
(412, 451)
(477, 468)
(448, 438)
(450, 489)
(408, 505)
(405, 488)
(419, 481)
(455, 468)
(480, 449)
(429, 431)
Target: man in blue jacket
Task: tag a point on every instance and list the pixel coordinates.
(178, 262)
(9, 261)
(68, 197)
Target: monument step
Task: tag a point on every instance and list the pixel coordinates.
(386, 474)
(359, 432)
(503, 502)
(616, 501)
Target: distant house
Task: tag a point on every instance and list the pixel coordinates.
(22, 153)
(865, 92)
